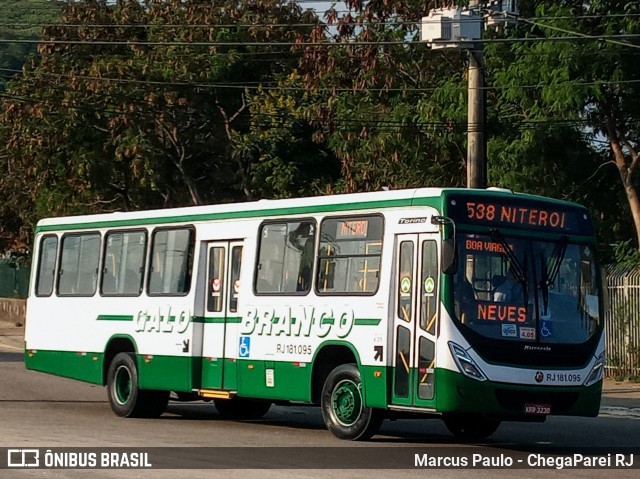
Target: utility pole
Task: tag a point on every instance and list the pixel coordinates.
(456, 27)
(476, 140)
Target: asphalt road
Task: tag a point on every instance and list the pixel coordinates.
(42, 411)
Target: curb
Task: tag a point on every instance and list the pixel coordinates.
(620, 411)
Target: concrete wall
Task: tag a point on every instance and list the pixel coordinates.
(13, 311)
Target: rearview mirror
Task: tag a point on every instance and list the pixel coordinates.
(448, 259)
(448, 253)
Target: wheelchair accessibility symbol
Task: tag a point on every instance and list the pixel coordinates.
(244, 349)
(546, 329)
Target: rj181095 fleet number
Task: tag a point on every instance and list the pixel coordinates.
(563, 378)
(293, 348)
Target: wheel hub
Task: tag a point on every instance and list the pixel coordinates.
(122, 385)
(346, 402)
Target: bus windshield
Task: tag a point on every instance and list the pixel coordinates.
(527, 290)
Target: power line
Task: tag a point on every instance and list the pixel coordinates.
(274, 54)
(346, 43)
(134, 43)
(380, 22)
(608, 38)
(445, 125)
(272, 85)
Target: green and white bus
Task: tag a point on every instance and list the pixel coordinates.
(473, 306)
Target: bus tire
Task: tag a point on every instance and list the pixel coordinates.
(343, 407)
(471, 427)
(242, 408)
(125, 397)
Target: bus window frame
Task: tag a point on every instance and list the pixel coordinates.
(190, 260)
(59, 271)
(285, 221)
(55, 267)
(347, 218)
(230, 296)
(144, 262)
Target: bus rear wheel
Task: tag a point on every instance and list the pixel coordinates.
(343, 407)
(471, 427)
(125, 397)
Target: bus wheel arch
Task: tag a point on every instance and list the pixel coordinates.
(118, 344)
(327, 358)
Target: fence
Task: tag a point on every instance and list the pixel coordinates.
(14, 279)
(622, 322)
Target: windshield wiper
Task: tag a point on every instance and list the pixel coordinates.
(547, 278)
(517, 267)
(561, 249)
(544, 284)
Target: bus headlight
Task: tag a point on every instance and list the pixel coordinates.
(466, 365)
(597, 371)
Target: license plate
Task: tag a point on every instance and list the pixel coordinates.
(537, 409)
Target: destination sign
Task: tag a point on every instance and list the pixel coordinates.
(519, 213)
(352, 229)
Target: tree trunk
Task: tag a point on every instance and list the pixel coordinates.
(626, 170)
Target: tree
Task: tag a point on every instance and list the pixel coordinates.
(587, 86)
(378, 93)
(286, 160)
(22, 20)
(137, 105)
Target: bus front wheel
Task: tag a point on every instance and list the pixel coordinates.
(343, 409)
(125, 397)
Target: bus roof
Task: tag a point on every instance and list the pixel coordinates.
(281, 207)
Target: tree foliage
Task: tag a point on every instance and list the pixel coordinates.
(382, 97)
(281, 147)
(22, 22)
(581, 93)
(132, 107)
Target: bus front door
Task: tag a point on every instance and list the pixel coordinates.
(220, 309)
(415, 320)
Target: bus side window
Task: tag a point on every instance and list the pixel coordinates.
(132, 282)
(350, 252)
(303, 239)
(285, 257)
(172, 260)
(79, 264)
(108, 283)
(46, 266)
(123, 265)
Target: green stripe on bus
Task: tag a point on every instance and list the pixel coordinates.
(229, 320)
(367, 321)
(115, 317)
(331, 321)
(233, 319)
(258, 213)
